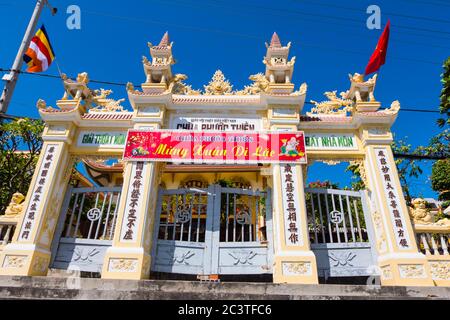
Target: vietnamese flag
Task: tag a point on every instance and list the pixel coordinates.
(378, 57)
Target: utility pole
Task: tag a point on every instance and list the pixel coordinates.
(11, 78)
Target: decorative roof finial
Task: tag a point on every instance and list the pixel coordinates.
(275, 42)
(164, 40)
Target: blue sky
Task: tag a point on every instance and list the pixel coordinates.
(330, 39)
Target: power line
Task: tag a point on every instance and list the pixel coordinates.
(312, 14)
(436, 3)
(421, 157)
(330, 5)
(123, 84)
(59, 77)
(248, 36)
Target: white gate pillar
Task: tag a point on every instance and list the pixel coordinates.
(294, 262)
(129, 256)
(399, 259)
(29, 252)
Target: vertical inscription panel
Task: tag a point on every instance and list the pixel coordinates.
(134, 203)
(290, 200)
(392, 198)
(39, 191)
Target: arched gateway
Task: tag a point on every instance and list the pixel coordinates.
(212, 183)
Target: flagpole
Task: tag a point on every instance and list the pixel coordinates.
(11, 78)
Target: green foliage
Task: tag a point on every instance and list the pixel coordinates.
(357, 182)
(440, 178)
(444, 107)
(21, 143)
(323, 185)
(407, 168)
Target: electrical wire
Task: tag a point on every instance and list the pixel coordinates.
(123, 84)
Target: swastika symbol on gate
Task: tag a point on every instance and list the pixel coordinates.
(336, 216)
(183, 213)
(93, 214)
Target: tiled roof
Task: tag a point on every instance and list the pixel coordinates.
(215, 99)
(108, 116)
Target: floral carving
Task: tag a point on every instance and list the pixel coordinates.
(440, 270)
(123, 265)
(218, 85)
(14, 261)
(412, 271)
(386, 272)
(297, 268)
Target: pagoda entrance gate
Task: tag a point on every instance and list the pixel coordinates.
(213, 231)
(341, 233)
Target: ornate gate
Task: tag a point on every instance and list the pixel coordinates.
(213, 231)
(85, 229)
(341, 233)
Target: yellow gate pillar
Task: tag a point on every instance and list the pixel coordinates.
(29, 252)
(294, 262)
(129, 257)
(399, 260)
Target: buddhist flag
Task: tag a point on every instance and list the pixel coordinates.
(40, 54)
(379, 56)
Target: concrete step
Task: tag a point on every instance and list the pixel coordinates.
(91, 289)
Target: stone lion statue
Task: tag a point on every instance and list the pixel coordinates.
(83, 78)
(419, 212)
(15, 207)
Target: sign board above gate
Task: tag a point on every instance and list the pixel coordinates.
(216, 147)
(331, 141)
(202, 123)
(101, 139)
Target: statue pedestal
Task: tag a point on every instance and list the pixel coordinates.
(368, 106)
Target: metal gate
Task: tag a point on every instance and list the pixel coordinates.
(213, 231)
(340, 232)
(85, 229)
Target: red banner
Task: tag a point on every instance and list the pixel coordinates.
(215, 147)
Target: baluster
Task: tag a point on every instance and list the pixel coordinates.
(1, 229)
(8, 231)
(324, 240)
(330, 229)
(444, 244)
(228, 215)
(434, 245)
(423, 238)
(313, 217)
(75, 232)
(199, 212)
(168, 211)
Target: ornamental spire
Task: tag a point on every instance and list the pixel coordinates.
(164, 40)
(275, 42)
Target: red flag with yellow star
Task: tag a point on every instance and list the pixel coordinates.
(378, 57)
